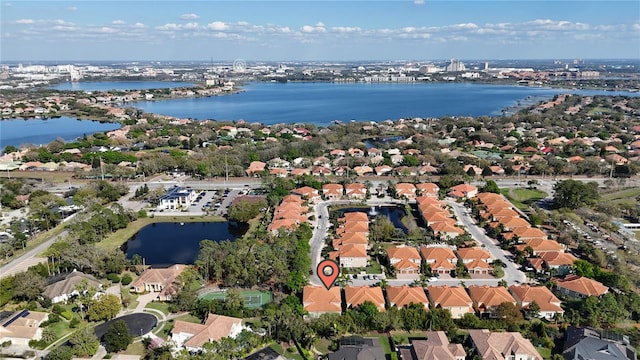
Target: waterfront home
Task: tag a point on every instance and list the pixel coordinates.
(332, 191)
(356, 295)
(486, 299)
(355, 191)
(548, 303)
(351, 256)
(318, 300)
(580, 286)
(402, 296)
(502, 345)
(428, 189)
(405, 191)
(453, 298)
(160, 280)
(436, 346)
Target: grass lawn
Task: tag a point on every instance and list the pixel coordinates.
(637, 234)
(137, 348)
(131, 298)
(115, 240)
(55, 177)
(160, 306)
(323, 345)
(189, 318)
(623, 196)
(384, 342)
(544, 352)
(164, 331)
(60, 328)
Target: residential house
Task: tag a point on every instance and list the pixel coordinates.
(355, 191)
(358, 348)
(266, 353)
(441, 260)
(160, 280)
(587, 343)
(463, 191)
(317, 300)
(428, 189)
(476, 260)
(21, 327)
(356, 295)
(255, 168)
(383, 170)
(351, 256)
(502, 345)
(446, 230)
(540, 246)
(406, 191)
(66, 288)
(306, 192)
(453, 298)
(580, 286)
(560, 261)
(406, 262)
(363, 170)
(192, 336)
(332, 191)
(436, 346)
(486, 299)
(278, 172)
(401, 296)
(548, 303)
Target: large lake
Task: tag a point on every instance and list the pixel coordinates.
(119, 85)
(42, 131)
(164, 244)
(321, 103)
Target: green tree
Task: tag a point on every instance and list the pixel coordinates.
(117, 336)
(84, 342)
(28, 286)
(104, 308)
(61, 353)
(490, 186)
(244, 210)
(573, 194)
(583, 268)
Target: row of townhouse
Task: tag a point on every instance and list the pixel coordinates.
(351, 242)
(435, 214)
(324, 167)
(482, 300)
(289, 214)
(441, 260)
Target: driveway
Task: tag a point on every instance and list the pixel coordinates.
(511, 273)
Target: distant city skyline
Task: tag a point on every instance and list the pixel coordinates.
(317, 30)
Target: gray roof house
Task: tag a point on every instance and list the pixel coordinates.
(64, 289)
(586, 343)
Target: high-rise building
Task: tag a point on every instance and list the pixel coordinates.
(455, 66)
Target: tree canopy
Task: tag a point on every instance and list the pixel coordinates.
(573, 194)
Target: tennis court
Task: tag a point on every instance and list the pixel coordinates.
(253, 299)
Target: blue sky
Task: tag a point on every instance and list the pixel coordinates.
(318, 30)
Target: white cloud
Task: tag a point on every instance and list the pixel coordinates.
(118, 22)
(191, 26)
(72, 8)
(189, 16)
(636, 26)
(64, 28)
(345, 29)
(138, 25)
(307, 28)
(218, 26)
(25, 21)
(63, 23)
(317, 28)
(418, 2)
(169, 27)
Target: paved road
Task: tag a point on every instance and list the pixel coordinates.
(511, 274)
(30, 258)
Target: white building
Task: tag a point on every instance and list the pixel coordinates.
(176, 198)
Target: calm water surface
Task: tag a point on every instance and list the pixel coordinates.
(163, 244)
(43, 131)
(119, 85)
(321, 103)
(394, 213)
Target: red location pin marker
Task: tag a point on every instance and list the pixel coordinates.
(328, 272)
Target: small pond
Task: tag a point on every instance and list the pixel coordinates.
(394, 213)
(164, 244)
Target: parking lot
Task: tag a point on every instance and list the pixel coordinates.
(207, 202)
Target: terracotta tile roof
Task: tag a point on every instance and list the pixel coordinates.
(354, 216)
(449, 296)
(402, 296)
(406, 264)
(403, 252)
(436, 217)
(514, 222)
(305, 191)
(446, 227)
(215, 328)
(355, 296)
(502, 345)
(529, 233)
(428, 189)
(540, 294)
(353, 226)
(335, 189)
(475, 252)
(582, 285)
(489, 296)
(320, 300)
(429, 200)
(477, 264)
(557, 258)
(543, 245)
(350, 238)
(165, 277)
(464, 188)
(443, 257)
(536, 263)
